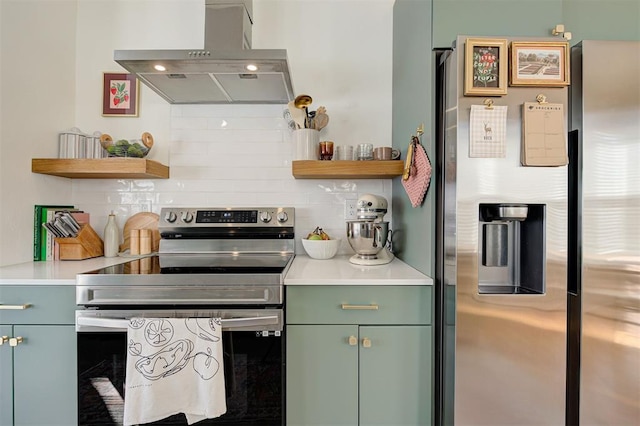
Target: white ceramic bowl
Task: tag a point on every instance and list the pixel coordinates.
(321, 249)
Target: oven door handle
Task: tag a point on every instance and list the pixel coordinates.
(110, 323)
(123, 324)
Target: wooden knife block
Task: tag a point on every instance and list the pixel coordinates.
(86, 245)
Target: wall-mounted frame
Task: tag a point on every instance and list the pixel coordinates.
(543, 64)
(120, 95)
(485, 67)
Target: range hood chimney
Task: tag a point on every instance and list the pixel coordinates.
(226, 71)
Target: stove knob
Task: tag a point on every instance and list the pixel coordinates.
(187, 217)
(265, 217)
(170, 217)
(282, 217)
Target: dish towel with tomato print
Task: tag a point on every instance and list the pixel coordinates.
(174, 365)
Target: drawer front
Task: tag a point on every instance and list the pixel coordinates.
(44, 304)
(358, 304)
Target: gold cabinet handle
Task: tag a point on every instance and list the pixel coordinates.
(15, 341)
(16, 307)
(366, 342)
(346, 306)
(4, 339)
(353, 340)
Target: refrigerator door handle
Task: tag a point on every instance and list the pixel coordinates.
(574, 231)
(574, 277)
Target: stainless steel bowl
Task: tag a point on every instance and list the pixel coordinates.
(367, 238)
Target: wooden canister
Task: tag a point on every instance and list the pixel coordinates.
(134, 241)
(145, 241)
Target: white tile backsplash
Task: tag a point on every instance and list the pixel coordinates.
(221, 156)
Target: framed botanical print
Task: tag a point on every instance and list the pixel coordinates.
(120, 95)
(543, 64)
(485, 68)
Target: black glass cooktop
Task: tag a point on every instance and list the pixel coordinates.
(201, 264)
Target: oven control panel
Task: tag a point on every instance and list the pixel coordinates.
(185, 217)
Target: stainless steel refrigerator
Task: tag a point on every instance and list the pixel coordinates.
(604, 279)
(538, 268)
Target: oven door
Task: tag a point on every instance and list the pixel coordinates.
(253, 345)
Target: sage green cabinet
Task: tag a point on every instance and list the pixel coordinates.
(38, 377)
(586, 20)
(6, 378)
(322, 375)
(359, 355)
(602, 20)
(524, 18)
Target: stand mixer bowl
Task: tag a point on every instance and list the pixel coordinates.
(367, 237)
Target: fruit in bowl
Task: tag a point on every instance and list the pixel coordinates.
(138, 148)
(318, 234)
(319, 245)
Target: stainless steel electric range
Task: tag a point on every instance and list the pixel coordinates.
(226, 263)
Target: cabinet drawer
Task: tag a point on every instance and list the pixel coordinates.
(48, 304)
(358, 304)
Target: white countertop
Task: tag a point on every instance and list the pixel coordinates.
(339, 271)
(61, 272)
(303, 271)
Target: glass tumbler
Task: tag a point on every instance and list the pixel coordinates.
(364, 151)
(344, 152)
(326, 150)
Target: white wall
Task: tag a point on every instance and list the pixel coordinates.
(339, 53)
(37, 99)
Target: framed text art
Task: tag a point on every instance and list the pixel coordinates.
(539, 63)
(120, 95)
(485, 68)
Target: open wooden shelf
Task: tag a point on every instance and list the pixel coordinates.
(312, 169)
(100, 168)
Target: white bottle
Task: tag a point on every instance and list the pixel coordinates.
(111, 237)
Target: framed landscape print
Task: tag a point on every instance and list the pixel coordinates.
(543, 64)
(485, 68)
(120, 95)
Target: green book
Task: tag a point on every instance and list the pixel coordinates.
(37, 231)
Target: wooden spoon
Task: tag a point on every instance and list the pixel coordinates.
(320, 121)
(296, 114)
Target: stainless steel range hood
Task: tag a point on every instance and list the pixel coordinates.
(218, 73)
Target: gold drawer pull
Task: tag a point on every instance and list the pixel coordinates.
(15, 341)
(353, 340)
(3, 339)
(366, 342)
(346, 306)
(16, 307)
